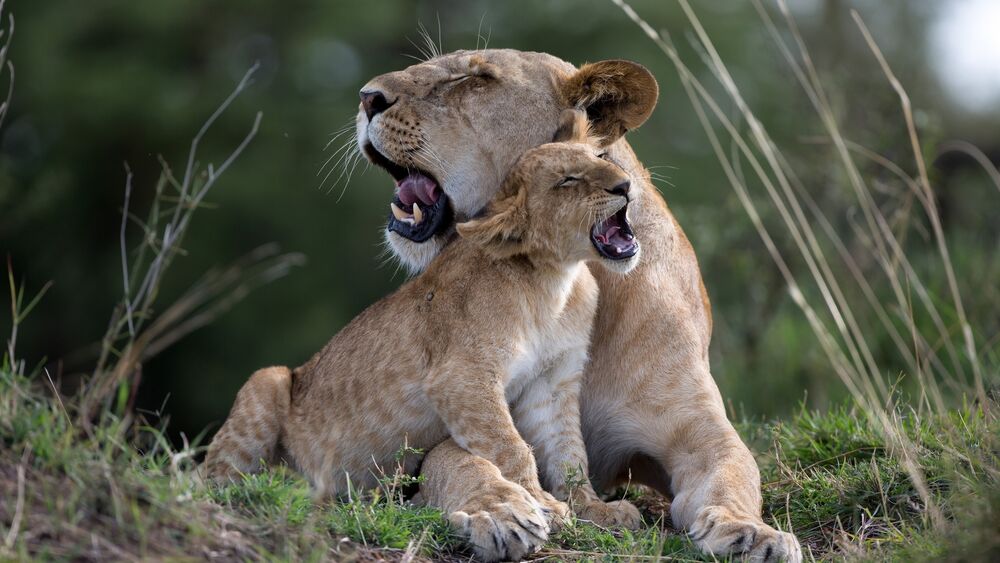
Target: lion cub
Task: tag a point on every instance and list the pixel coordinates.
(486, 346)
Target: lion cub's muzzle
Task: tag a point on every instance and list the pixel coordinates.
(613, 237)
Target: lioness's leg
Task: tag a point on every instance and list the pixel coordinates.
(479, 420)
(548, 416)
(251, 433)
(712, 476)
(500, 519)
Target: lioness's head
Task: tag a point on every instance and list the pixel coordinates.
(449, 129)
(561, 202)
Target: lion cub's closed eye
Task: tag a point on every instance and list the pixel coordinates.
(561, 202)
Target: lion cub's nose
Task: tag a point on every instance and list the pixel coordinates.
(374, 103)
(620, 189)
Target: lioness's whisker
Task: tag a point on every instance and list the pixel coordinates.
(423, 53)
(342, 163)
(335, 154)
(357, 157)
(438, 160)
(338, 133)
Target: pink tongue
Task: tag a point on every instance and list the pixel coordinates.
(417, 187)
(607, 235)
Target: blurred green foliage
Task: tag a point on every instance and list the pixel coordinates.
(103, 82)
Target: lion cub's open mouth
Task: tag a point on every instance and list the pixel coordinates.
(613, 237)
(419, 208)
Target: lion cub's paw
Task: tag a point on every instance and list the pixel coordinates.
(504, 523)
(614, 514)
(720, 531)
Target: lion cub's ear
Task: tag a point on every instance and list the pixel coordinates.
(573, 127)
(617, 95)
(502, 229)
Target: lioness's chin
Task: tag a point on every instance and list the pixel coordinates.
(624, 265)
(415, 256)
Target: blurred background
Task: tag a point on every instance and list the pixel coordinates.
(105, 82)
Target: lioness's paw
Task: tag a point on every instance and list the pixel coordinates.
(614, 514)
(720, 531)
(556, 512)
(502, 524)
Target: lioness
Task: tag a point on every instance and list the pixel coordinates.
(502, 315)
(452, 126)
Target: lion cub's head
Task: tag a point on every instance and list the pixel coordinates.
(561, 202)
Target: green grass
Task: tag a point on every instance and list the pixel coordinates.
(119, 490)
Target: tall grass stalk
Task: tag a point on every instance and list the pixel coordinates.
(135, 331)
(6, 35)
(843, 338)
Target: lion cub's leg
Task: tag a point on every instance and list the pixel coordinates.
(548, 415)
(479, 420)
(500, 519)
(252, 431)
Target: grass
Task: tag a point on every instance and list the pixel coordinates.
(112, 492)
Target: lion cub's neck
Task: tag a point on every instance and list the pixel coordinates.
(547, 280)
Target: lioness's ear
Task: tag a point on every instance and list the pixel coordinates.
(617, 95)
(573, 126)
(502, 229)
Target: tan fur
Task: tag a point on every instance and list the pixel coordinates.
(261, 408)
(649, 405)
(501, 317)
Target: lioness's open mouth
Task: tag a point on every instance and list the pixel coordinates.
(419, 208)
(613, 237)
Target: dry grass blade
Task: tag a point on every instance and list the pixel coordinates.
(5, 63)
(887, 250)
(15, 524)
(841, 335)
(134, 334)
(932, 211)
(976, 154)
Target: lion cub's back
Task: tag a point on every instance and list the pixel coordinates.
(361, 395)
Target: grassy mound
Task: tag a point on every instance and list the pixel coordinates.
(118, 490)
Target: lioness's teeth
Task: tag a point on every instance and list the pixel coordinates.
(399, 213)
(418, 215)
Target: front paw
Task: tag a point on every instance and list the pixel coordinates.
(720, 531)
(614, 514)
(503, 523)
(556, 512)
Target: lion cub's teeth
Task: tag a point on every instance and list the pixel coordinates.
(418, 215)
(399, 213)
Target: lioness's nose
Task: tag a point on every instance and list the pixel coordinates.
(620, 189)
(374, 102)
